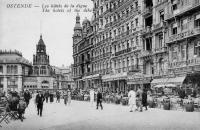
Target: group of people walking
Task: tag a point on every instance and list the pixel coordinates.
(137, 100)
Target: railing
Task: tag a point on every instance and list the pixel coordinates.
(160, 50)
(147, 10)
(182, 35)
(146, 53)
(158, 25)
(147, 29)
(123, 51)
(128, 69)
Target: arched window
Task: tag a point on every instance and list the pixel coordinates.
(36, 70)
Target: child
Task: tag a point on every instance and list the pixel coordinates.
(21, 108)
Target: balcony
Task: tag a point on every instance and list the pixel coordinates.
(146, 53)
(133, 68)
(191, 6)
(146, 30)
(184, 63)
(160, 50)
(122, 52)
(158, 26)
(147, 11)
(183, 35)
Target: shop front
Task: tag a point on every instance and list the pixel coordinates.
(137, 80)
(116, 82)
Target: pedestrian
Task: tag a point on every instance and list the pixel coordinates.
(69, 97)
(51, 97)
(132, 99)
(92, 96)
(144, 99)
(58, 96)
(65, 97)
(21, 108)
(139, 97)
(99, 99)
(46, 95)
(39, 101)
(27, 97)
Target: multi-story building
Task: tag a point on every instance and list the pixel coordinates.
(145, 43)
(13, 69)
(154, 54)
(182, 38)
(82, 43)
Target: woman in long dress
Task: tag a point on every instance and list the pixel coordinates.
(65, 98)
(69, 96)
(51, 97)
(132, 100)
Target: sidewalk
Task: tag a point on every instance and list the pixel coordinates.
(81, 116)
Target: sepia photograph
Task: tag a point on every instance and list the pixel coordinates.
(99, 64)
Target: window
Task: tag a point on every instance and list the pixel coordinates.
(161, 15)
(197, 21)
(1, 82)
(136, 40)
(184, 24)
(174, 28)
(174, 53)
(160, 40)
(127, 61)
(197, 48)
(183, 51)
(127, 44)
(136, 22)
(1, 69)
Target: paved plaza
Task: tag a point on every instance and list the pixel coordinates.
(81, 116)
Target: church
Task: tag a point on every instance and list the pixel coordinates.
(42, 72)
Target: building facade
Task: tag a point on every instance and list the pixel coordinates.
(82, 44)
(182, 38)
(13, 70)
(63, 77)
(42, 74)
(144, 43)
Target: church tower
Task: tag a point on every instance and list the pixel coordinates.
(77, 30)
(41, 66)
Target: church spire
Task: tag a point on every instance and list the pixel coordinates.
(78, 24)
(41, 42)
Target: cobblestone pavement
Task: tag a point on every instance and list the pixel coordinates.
(81, 116)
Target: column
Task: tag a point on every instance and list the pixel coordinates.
(19, 84)
(5, 85)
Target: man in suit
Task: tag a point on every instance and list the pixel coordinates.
(39, 101)
(99, 99)
(27, 97)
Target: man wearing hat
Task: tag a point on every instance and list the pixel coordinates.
(39, 101)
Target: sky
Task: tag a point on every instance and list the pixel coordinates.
(20, 28)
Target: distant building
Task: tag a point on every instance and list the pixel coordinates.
(42, 74)
(17, 73)
(14, 68)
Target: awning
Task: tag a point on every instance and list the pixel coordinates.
(119, 76)
(95, 76)
(168, 81)
(158, 81)
(87, 77)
